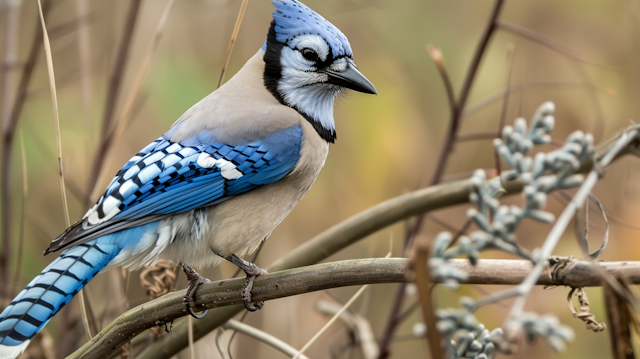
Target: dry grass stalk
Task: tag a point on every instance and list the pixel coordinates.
(25, 191)
(54, 101)
(234, 36)
(87, 317)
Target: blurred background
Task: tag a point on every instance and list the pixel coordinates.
(387, 144)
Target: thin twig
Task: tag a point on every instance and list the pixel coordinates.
(264, 337)
(442, 222)
(113, 91)
(491, 172)
(473, 136)
(436, 56)
(564, 197)
(549, 43)
(232, 42)
(505, 103)
(522, 87)
(84, 54)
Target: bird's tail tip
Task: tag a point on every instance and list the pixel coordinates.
(32, 309)
(12, 352)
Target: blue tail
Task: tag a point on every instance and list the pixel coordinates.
(50, 291)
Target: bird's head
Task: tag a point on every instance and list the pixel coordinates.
(308, 63)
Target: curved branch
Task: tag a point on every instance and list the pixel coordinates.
(324, 276)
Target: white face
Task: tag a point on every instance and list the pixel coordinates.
(302, 86)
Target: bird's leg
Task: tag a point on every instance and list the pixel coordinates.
(252, 271)
(195, 280)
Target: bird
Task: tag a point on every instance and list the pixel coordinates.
(217, 183)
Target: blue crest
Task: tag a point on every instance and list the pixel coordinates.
(293, 18)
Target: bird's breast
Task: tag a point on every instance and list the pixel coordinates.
(240, 224)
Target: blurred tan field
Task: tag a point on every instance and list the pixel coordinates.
(387, 145)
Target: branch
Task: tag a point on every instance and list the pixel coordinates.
(325, 276)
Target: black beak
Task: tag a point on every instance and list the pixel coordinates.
(352, 79)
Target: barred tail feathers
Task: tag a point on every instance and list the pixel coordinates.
(47, 293)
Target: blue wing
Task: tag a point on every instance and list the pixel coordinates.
(173, 177)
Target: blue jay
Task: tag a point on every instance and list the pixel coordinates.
(217, 183)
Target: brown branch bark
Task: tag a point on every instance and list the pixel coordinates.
(422, 271)
(324, 276)
(619, 318)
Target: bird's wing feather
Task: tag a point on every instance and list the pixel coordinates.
(174, 177)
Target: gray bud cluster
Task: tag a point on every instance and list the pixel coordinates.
(547, 326)
(473, 340)
(497, 223)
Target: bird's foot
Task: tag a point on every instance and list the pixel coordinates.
(252, 271)
(195, 280)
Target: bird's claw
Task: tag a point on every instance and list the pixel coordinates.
(194, 314)
(252, 271)
(246, 291)
(195, 280)
(257, 306)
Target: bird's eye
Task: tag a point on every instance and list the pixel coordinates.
(309, 54)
